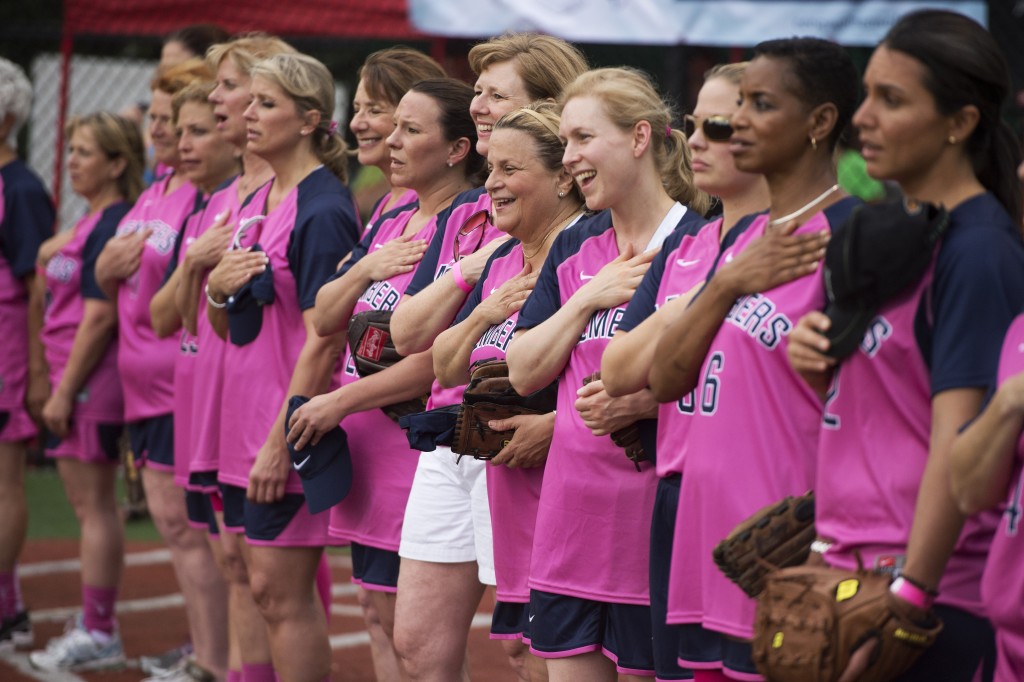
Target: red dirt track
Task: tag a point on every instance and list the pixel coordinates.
(156, 630)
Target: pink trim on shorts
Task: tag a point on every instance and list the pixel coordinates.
(373, 587)
(639, 672)
(143, 462)
(507, 636)
(719, 665)
(83, 444)
(567, 653)
(303, 530)
(19, 426)
(198, 525)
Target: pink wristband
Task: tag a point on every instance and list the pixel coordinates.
(910, 593)
(460, 281)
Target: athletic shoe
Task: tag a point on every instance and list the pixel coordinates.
(77, 650)
(16, 633)
(161, 664)
(189, 671)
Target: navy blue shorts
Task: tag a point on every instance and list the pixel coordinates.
(200, 511)
(703, 649)
(563, 626)
(234, 507)
(966, 643)
(203, 481)
(375, 569)
(511, 620)
(152, 442)
(666, 637)
(259, 522)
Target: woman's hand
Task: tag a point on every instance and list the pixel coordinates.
(206, 251)
(269, 473)
(234, 270)
(508, 298)
(603, 414)
(122, 255)
(398, 256)
(616, 282)
(472, 266)
(773, 259)
(57, 413)
(530, 442)
(51, 246)
(806, 346)
(37, 393)
(310, 422)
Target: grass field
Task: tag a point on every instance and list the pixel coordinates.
(50, 515)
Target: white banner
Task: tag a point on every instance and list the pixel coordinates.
(670, 22)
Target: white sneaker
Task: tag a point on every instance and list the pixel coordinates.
(76, 650)
(189, 671)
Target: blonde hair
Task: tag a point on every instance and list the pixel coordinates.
(310, 85)
(197, 91)
(545, 63)
(247, 50)
(628, 96)
(730, 72)
(171, 79)
(540, 121)
(116, 137)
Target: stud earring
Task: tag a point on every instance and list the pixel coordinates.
(449, 164)
(561, 195)
(814, 143)
(952, 139)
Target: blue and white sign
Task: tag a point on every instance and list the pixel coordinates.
(670, 22)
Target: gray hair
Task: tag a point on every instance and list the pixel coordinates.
(15, 95)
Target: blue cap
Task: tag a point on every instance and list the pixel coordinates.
(325, 469)
(245, 307)
(426, 430)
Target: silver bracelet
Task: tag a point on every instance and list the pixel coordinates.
(210, 299)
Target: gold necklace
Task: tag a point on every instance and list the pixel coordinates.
(547, 234)
(806, 207)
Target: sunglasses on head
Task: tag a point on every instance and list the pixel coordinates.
(716, 128)
(473, 228)
(243, 229)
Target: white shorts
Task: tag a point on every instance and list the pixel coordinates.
(447, 519)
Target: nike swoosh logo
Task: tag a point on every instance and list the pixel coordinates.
(583, 276)
(492, 291)
(298, 466)
(728, 258)
(531, 618)
(686, 263)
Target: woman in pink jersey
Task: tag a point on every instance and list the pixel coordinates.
(675, 276)
(431, 152)
(589, 600)
(85, 412)
(446, 546)
(26, 222)
(300, 225)
(931, 123)
(208, 160)
(986, 465)
(384, 78)
(796, 99)
(248, 644)
(534, 199)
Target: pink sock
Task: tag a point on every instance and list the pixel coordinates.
(98, 608)
(234, 676)
(258, 672)
(8, 582)
(710, 676)
(323, 584)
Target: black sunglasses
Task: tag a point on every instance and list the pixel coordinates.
(716, 128)
(474, 224)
